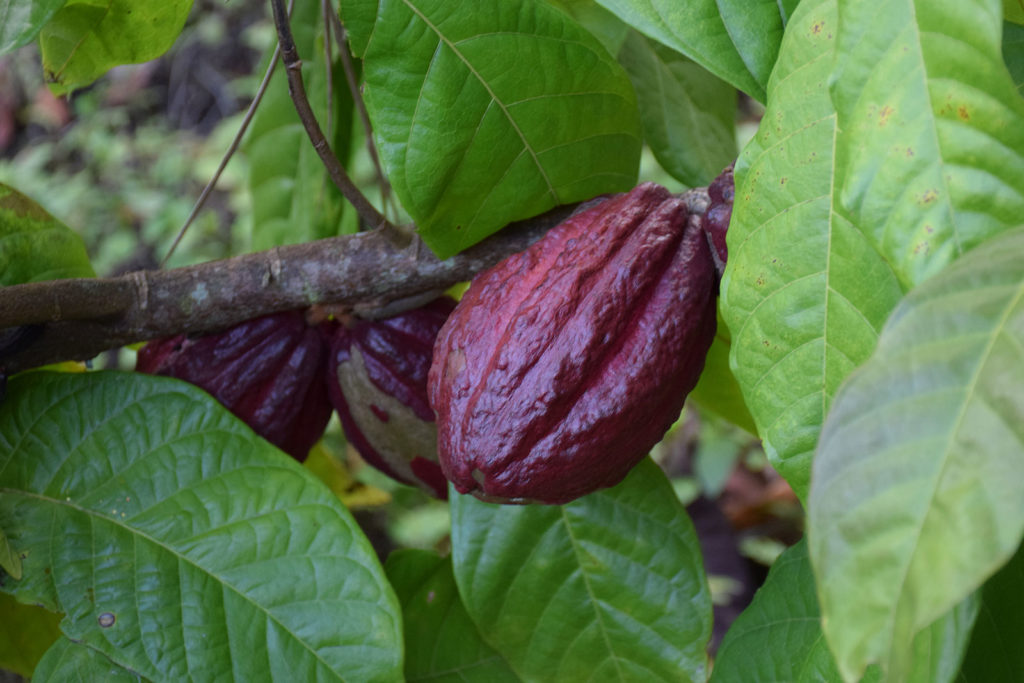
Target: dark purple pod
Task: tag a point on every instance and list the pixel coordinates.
(378, 385)
(719, 212)
(267, 371)
(563, 365)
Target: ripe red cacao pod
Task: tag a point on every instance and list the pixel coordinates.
(563, 365)
(268, 371)
(718, 214)
(378, 386)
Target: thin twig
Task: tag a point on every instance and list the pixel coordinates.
(325, 7)
(297, 89)
(364, 117)
(232, 148)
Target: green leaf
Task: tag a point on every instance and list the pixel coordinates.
(10, 561)
(610, 586)
(1013, 10)
(1000, 622)
(181, 545)
(86, 38)
(490, 111)
(916, 496)
(293, 198)
(442, 643)
(779, 638)
(793, 264)
(35, 246)
(20, 20)
(717, 389)
(931, 159)
(70, 661)
(688, 114)
(737, 40)
(1013, 53)
(26, 632)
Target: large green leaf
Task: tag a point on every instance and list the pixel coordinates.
(69, 661)
(293, 198)
(737, 40)
(181, 545)
(687, 113)
(20, 20)
(608, 587)
(993, 654)
(86, 38)
(793, 264)
(778, 637)
(26, 633)
(34, 245)
(441, 642)
(931, 157)
(916, 496)
(489, 111)
(837, 216)
(717, 389)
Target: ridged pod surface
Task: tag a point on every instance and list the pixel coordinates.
(378, 386)
(267, 371)
(719, 212)
(564, 364)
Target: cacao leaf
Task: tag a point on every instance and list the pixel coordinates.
(1013, 53)
(778, 637)
(784, 270)
(916, 496)
(20, 20)
(26, 632)
(86, 38)
(1013, 10)
(70, 661)
(293, 198)
(178, 543)
(687, 113)
(717, 389)
(737, 40)
(1000, 621)
(609, 586)
(35, 246)
(831, 231)
(490, 111)
(442, 643)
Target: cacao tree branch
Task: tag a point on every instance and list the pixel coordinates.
(366, 273)
(297, 89)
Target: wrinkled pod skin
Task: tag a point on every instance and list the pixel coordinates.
(564, 364)
(268, 371)
(378, 386)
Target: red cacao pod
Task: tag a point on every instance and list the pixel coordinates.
(267, 371)
(563, 365)
(378, 387)
(718, 214)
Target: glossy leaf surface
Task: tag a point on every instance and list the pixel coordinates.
(916, 497)
(486, 112)
(441, 642)
(181, 545)
(86, 38)
(610, 586)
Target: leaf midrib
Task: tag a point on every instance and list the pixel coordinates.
(494, 98)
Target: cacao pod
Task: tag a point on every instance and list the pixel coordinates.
(718, 214)
(268, 371)
(564, 364)
(379, 390)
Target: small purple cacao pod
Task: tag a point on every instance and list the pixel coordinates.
(378, 385)
(267, 371)
(718, 214)
(563, 365)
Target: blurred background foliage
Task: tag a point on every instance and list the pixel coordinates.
(124, 160)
